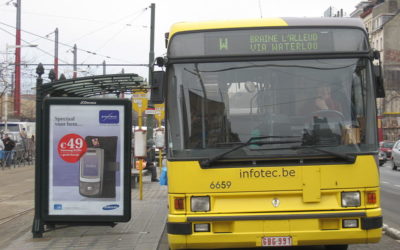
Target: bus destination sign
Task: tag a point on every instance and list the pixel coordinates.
(267, 42)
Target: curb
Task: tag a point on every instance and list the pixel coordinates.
(391, 232)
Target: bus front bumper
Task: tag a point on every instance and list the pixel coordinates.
(249, 230)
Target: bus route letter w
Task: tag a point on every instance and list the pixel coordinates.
(223, 44)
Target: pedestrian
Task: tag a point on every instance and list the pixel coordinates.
(151, 157)
(1, 145)
(148, 164)
(23, 133)
(2, 151)
(24, 139)
(9, 145)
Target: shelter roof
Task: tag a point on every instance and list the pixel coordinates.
(94, 85)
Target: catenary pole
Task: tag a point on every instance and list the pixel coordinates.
(150, 119)
(56, 53)
(151, 52)
(75, 62)
(17, 89)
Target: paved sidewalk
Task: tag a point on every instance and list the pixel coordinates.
(143, 231)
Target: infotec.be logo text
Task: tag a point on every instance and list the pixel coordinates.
(109, 116)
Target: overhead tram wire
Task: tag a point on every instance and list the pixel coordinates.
(66, 63)
(37, 39)
(64, 44)
(117, 33)
(64, 17)
(45, 52)
(104, 44)
(90, 64)
(105, 26)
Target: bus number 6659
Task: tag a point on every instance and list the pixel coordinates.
(220, 185)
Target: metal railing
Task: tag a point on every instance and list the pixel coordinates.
(23, 154)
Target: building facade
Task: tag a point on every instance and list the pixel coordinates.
(382, 20)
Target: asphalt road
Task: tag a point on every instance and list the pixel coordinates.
(16, 214)
(390, 195)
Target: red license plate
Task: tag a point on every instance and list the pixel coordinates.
(276, 241)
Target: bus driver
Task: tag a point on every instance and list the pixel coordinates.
(325, 101)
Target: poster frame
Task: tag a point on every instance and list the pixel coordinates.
(125, 165)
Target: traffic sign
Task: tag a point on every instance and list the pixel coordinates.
(140, 101)
(150, 111)
(160, 112)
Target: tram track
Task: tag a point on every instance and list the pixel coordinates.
(14, 226)
(16, 195)
(14, 216)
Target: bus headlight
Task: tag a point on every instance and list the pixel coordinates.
(351, 199)
(200, 203)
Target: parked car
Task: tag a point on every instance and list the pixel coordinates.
(396, 155)
(386, 147)
(382, 158)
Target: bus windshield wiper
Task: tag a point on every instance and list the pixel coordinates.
(252, 141)
(346, 157)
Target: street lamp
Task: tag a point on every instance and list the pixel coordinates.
(6, 83)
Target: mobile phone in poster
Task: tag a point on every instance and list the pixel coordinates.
(91, 167)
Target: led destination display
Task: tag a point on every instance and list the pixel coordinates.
(285, 42)
(267, 41)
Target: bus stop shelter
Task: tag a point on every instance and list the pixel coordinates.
(84, 87)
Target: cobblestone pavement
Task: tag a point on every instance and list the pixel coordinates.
(143, 231)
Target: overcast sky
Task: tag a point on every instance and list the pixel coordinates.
(118, 30)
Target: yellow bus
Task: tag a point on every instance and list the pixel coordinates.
(271, 134)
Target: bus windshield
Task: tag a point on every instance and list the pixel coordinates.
(322, 102)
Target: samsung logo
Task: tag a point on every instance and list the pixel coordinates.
(109, 116)
(111, 207)
(57, 207)
(87, 102)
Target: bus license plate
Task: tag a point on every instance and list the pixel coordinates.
(276, 241)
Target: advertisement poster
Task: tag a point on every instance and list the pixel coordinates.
(86, 160)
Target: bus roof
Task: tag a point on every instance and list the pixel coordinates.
(267, 22)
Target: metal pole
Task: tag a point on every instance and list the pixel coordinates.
(6, 110)
(75, 62)
(151, 53)
(150, 119)
(122, 93)
(17, 92)
(140, 160)
(104, 67)
(5, 92)
(159, 151)
(56, 53)
(38, 224)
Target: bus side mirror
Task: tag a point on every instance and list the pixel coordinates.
(380, 89)
(157, 87)
(160, 62)
(376, 55)
(166, 35)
